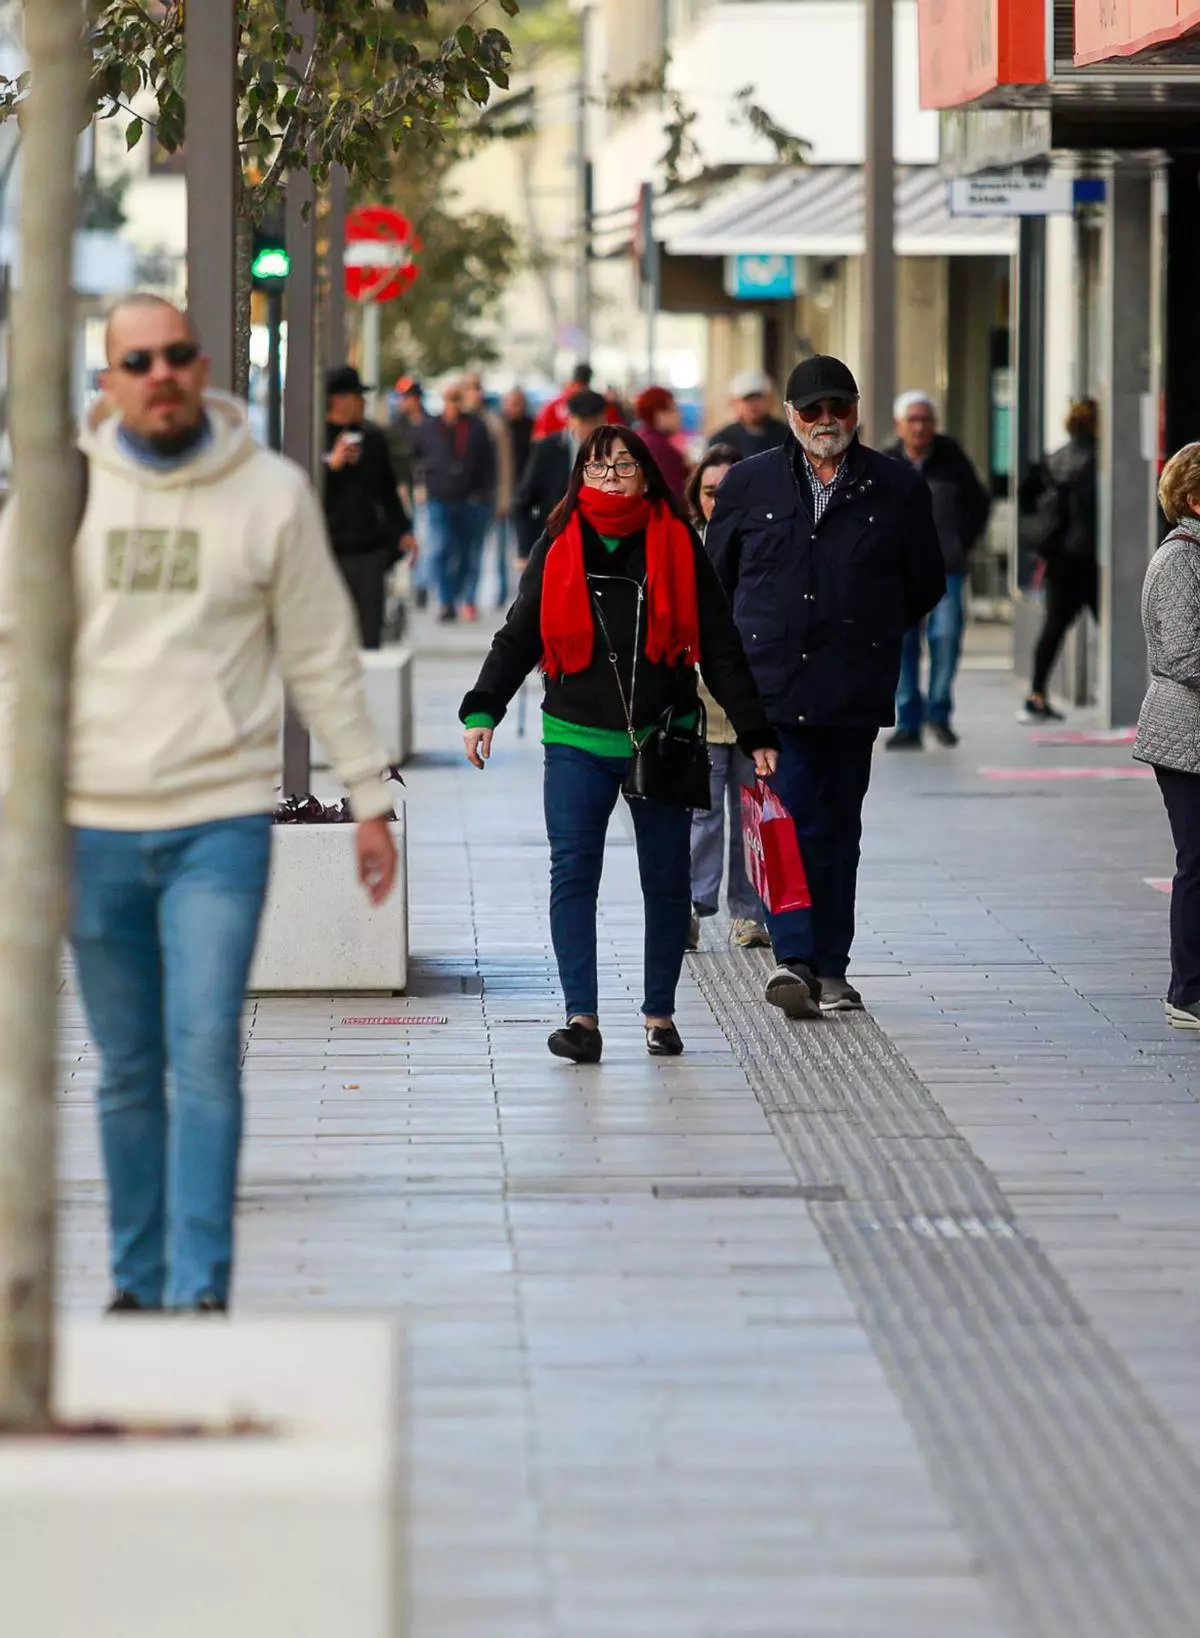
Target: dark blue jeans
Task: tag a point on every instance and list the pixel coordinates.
(581, 792)
(942, 632)
(164, 928)
(822, 781)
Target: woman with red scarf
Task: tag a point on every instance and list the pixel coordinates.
(617, 605)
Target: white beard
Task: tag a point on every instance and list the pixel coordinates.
(824, 441)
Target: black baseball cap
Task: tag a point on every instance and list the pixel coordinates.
(819, 377)
(344, 378)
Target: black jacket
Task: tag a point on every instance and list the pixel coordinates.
(544, 481)
(592, 697)
(457, 463)
(772, 434)
(363, 511)
(822, 608)
(961, 505)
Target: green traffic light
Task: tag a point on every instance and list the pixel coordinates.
(272, 262)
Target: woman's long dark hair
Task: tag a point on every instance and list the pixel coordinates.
(599, 444)
(718, 455)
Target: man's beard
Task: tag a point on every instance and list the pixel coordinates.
(180, 440)
(825, 441)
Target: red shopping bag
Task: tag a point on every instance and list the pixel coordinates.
(773, 861)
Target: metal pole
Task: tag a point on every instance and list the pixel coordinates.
(212, 37)
(335, 288)
(583, 188)
(372, 351)
(274, 374)
(879, 263)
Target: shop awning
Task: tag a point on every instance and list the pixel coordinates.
(819, 212)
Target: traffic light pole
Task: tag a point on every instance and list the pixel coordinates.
(274, 369)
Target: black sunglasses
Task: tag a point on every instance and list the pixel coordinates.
(178, 354)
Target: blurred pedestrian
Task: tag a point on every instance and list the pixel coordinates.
(961, 507)
(368, 526)
(828, 553)
(1168, 734)
(547, 474)
(731, 769)
(1059, 503)
(459, 464)
(406, 441)
(754, 429)
(515, 410)
(659, 424)
(203, 580)
(616, 605)
(552, 417)
(496, 512)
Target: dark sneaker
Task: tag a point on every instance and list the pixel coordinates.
(904, 739)
(944, 734)
(210, 1304)
(839, 995)
(126, 1303)
(1185, 1017)
(663, 1041)
(1033, 713)
(794, 990)
(693, 942)
(577, 1043)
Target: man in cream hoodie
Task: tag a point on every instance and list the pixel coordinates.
(203, 580)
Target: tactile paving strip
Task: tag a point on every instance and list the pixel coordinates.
(1082, 1506)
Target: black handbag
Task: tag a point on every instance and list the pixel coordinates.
(670, 764)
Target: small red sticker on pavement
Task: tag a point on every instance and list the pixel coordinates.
(1086, 736)
(1160, 884)
(407, 1018)
(1067, 773)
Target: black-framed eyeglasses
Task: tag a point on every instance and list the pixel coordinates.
(178, 354)
(624, 466)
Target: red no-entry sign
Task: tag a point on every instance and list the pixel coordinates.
(380, 246)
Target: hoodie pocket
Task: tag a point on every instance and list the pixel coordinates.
(142, 734)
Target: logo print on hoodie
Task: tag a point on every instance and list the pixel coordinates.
(153, 560)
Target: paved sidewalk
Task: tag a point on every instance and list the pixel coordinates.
(866, 1331)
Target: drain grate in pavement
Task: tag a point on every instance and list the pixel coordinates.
(749, 1191)
(1076, 1495)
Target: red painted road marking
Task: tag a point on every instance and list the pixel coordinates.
(410, 1018)
(1067, 773)
(1161, 884)
(1086, 736)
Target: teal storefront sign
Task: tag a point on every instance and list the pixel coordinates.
(760, 278)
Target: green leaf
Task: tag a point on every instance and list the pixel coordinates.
(510, 8)
(466, 39)
(133, 134)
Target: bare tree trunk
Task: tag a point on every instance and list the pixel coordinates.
(34, 840)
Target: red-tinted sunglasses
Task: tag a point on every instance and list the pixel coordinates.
(841, 409)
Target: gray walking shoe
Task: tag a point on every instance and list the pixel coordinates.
(839, 995)
(1185, 1017)
(794, 990)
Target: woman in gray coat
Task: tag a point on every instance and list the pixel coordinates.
(1168, 735)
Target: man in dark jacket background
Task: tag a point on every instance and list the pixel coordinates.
(754, 429)
(961, 507)
(828, 553)
(368, 525)
(547, 473)
(458, 462)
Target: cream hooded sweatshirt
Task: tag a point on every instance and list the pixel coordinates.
(198, 590)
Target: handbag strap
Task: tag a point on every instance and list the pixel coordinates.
(626, 699)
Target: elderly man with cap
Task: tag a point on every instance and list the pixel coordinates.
(755, 429)
(828, 553)
(368, 526)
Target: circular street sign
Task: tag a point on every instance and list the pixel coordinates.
(380, 246)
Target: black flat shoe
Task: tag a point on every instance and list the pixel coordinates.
(126, 1303)
(578, 1043)
(663, 1041)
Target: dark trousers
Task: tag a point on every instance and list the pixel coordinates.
(1070, 587)
(581, 792)
(822, 781)
(1181, 794)
(365, 573)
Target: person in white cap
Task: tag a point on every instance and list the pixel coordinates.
(755, 429)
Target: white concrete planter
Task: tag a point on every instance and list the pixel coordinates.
(319, 935)
(388, 681)
(299, 1533)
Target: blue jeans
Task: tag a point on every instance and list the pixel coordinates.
(581, 792)
(822, 781)
(730, 771)
(459, 529)
(942, 630)
(425, 570)
(164, 928)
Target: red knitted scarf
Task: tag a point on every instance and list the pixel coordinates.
(673, 616)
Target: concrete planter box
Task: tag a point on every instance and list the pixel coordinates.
(319, 935)
(388, 681)
(297, 1533)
